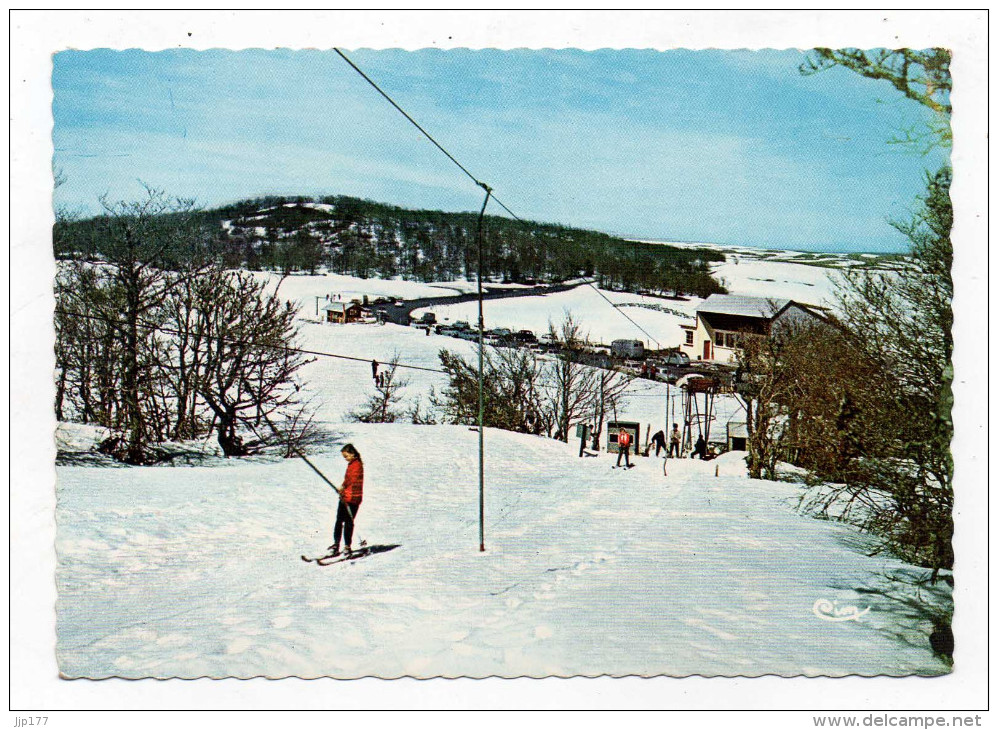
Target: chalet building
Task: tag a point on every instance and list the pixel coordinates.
(342, 312)
(722, 319)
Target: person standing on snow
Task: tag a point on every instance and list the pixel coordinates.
(701, 448)
(674, 439)
(351, 495)
(659, 440)
(624, 447)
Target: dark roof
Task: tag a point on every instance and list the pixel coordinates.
(742, 306)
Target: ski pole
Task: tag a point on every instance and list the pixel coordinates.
(312, 466)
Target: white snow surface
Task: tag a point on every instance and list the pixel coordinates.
(784, 279)
(588, 570)
(624, 316)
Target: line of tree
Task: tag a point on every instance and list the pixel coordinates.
(367, 239)
(156, 342)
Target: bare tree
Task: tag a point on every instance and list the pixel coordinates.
(571, 380)
(247, 358)
(513, 389)
(130, 250)
(901, 323)
(382, 406)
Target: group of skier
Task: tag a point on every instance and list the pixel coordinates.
(673, 448)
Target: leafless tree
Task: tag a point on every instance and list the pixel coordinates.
(570, 379)
(382, 405)
(246, 357)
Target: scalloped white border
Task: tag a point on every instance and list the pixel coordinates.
(35, 688)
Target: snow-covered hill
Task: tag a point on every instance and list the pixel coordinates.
(807, 278)
(588, 570)
(193, 571)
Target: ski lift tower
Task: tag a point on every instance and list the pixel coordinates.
(698, 407)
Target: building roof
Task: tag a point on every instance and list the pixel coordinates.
(742, 306)
(339, 306)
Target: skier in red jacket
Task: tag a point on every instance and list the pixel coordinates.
(624, 447)
(351, 495)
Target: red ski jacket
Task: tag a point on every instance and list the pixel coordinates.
(623, 439)
(353, 483)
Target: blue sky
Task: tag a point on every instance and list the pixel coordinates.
(726, 146)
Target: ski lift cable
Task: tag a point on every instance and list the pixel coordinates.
(426, 134)
(623, 314)
(643, 393)
(250, 343)
(468, 173)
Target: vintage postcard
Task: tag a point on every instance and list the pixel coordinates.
(486, 362)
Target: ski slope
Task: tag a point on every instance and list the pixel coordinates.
(188, 572)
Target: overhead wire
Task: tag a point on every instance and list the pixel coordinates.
(426, 134)
(151, 326)
(465, 170)
(248, 343)
(623, 314)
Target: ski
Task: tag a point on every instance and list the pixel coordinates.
(362, 552)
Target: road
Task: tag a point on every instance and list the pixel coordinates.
(399, 313)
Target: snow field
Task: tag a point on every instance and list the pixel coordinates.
(195, 571)
(588, 570)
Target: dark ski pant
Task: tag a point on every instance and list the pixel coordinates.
(674, 449)
(626, 453)
(345, 515)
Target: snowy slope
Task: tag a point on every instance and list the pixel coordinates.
(588, 570)
(601, 320)
(192, 571)
(761, 278)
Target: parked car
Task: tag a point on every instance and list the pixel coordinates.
(676, 359)
(428, 318)
(461, 325)
(525, 337)
(446, 330)
(500, 332)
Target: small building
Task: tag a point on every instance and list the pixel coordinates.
(724, 319)
(615, 427)
(342, 312)
(737, 436)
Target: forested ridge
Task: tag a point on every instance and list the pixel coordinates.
(368, 239)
